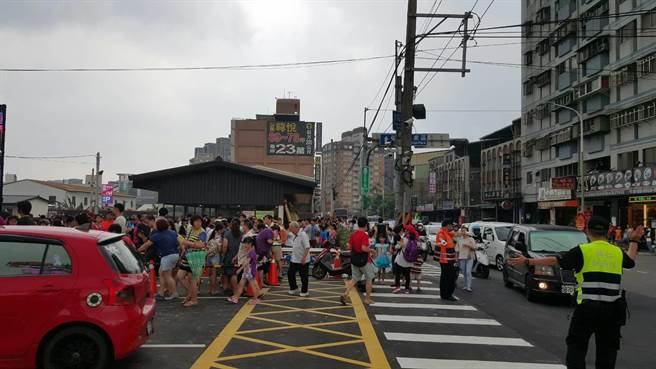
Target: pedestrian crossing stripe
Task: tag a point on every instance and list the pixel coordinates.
(423, 288)
(435, 320)
(418, 363)
(422, 306)
(402, 295)
(451, 339)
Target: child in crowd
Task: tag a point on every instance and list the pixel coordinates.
(383, 260)
(249, 268)
(415, 270)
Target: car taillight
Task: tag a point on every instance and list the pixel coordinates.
(119, 293)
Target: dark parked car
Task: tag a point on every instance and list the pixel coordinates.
(539, 241)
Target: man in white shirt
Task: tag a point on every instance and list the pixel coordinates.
(118, 216)
(300, 244)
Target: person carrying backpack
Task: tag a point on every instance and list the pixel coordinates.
(361, 262)
(404, 262)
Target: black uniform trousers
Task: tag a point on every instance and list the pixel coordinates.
(601, 319)
(448, 279)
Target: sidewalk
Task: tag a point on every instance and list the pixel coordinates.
(290, 332)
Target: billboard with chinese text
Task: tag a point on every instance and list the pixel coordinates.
(290, 138)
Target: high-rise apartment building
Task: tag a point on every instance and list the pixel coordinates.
(211, 150)
(596, 57)
(341, 173)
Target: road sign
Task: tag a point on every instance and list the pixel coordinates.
(365, 180)
(386, 139)
(423, 140)
(397, 124)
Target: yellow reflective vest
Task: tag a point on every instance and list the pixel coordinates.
(600, 279)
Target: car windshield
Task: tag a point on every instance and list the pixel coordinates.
(120, 258)
(555, 241)
(502, 233)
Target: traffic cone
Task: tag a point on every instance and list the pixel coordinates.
(273, 274)
(153, 279)
(337, 265)
(249, 290)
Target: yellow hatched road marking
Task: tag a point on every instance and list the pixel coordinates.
(211, 357)
(310, 352)
(208, 357)
(375, 350)
(293, 325)
(313, 310)
(307, 298)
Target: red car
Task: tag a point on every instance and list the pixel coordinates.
(70, 299)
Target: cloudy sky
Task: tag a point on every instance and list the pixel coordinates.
(142, 121)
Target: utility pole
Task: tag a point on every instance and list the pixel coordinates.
(97, 181)
(398, 96)
(405, 133)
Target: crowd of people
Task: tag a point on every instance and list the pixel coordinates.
(237, 252)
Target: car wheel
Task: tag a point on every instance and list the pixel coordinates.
(506, 281)
(76, 348)
(499, 261)
(530, 294)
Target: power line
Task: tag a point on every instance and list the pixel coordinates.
(480, 19)
(573, 19)
(315, 63)
(50, 157)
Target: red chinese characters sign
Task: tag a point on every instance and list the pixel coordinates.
(568, 183)
(290, 138)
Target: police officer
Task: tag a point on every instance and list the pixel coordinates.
(600, 306)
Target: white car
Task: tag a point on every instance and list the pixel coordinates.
(494, 236)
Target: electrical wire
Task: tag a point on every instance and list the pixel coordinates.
(210, 67)
(50, 157)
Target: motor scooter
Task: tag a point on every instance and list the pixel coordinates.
(481, 268)
(323, 264)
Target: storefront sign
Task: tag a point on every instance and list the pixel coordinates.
(638, 180)
(553, 194)
(568, 182)
(642, 199)
(107, 194)
(558, 204)
(290, 138)
(432, 182)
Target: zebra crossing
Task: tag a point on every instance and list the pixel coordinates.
(420, 331)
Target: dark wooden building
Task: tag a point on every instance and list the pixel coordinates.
(224, 187)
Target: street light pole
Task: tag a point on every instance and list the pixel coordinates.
(581, 171)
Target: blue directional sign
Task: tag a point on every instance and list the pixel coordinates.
(386, 139)
(397, 124)
(420, 139)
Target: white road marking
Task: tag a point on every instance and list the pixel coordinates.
(403, 295)
(167, 345)
(413, 286)
(435, 319)
(641, 271)
(449, 338)
(422, 306)
(417, 363)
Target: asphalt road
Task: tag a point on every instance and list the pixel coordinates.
(502, 329)
(545, 323)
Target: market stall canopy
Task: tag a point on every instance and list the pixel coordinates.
(224, 184)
